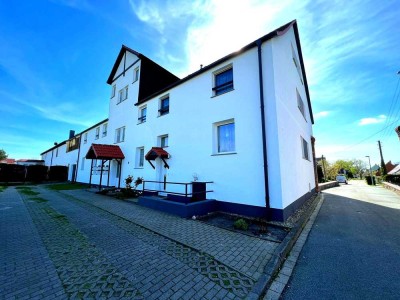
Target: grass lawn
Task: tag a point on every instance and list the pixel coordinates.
(27, 190)
(67, 186)
(2, 188)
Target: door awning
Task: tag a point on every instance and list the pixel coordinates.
(157, 152)
(106, 152)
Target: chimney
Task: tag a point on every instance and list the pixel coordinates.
(71, 134)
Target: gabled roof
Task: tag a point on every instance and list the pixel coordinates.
(99, 151)
(395, 171)
(277, 32)
(140, 56)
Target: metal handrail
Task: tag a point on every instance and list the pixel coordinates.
(186, 194)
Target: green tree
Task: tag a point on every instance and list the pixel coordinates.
(3, 154)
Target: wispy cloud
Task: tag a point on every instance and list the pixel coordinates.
(321, 114)
(373, 120)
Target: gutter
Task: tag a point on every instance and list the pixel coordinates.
(264, 136)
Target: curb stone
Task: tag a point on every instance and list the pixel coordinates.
(278, 258)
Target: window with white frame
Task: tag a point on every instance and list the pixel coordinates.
(139, 157)
(97, 133)
(123, 94)
(83, 163)
(223, 80)
(163, 140)
(57, 152)
(120, 134)
(296, 63)
(136, 75)
(113, 88)
(300, 104)
(85, 138)
(304, 146)
(105, 129)
(142, 114)
(224, 136)
(164, 106)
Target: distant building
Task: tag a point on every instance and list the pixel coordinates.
(9, 161)
(30, 162)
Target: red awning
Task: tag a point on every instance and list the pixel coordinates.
(157, 152)
(98, 151)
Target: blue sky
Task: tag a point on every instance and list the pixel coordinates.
(55, 58)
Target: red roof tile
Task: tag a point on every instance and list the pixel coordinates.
(98, 151)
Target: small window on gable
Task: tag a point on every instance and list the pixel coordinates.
(85, 138)
(123, 94)
(139, 157)
(296, 63)
(120, 135)
(300, 104)
(142, 114)
(163, 141)
(97, 133)
(164, 106)
(136, 75)
(304, 146)
(113, 91)
(105, 129)
(223, 80)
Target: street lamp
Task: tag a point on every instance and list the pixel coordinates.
(370, 171)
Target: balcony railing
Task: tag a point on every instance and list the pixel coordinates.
(197, 190)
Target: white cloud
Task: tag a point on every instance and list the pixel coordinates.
(373, 120)
(321, 114)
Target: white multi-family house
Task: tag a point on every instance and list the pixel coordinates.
(236, 134)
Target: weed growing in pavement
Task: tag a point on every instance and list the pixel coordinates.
(38, 199)
(241, 224)
(67, 186)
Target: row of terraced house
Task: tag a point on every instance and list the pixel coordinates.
(236, 134)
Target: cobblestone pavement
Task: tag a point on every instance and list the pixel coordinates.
(75, 244)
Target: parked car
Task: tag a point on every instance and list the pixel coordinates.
(341, 178)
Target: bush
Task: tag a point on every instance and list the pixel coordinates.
(370, 180)
(241, 224)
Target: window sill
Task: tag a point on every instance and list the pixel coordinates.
(162, 115)
(223, 153)
(213, 96)
(139, 168)
(141, 123)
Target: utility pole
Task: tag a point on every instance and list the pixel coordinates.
(383, 166)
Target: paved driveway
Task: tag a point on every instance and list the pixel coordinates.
(353, 249)
(76, 244)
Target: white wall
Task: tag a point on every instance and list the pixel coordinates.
(291, 176)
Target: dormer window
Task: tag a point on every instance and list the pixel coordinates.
(113, 91)
(164, 106)
(123, 94)
(136, 75)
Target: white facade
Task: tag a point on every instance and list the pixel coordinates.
(190, 128)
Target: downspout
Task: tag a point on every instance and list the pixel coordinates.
(77, 162)
(264, 136)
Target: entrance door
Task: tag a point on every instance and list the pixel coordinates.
(161, 176)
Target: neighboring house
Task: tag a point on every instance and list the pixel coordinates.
(9, 161)
(389, 167)
(30, 162)
(238, 124)
(395, 170)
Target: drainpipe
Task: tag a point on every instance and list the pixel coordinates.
(77, 161)
(264, 136)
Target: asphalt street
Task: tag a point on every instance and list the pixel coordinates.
(353, 249)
